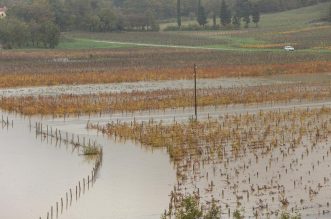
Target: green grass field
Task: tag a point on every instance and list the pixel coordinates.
(297, 18)
(76, 43)
(300, 27)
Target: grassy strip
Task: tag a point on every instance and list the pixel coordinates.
(78, 43)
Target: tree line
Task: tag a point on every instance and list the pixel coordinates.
(39, 22)
(243, 10)
(235, 12)
(29, 24)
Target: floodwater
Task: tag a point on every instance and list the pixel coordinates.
(133, 182)
(139, 86)
(224, 82)
(33, 174)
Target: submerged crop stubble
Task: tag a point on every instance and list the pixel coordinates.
(262, 162)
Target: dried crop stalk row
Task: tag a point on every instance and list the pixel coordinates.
(64, 105)
(72, 73)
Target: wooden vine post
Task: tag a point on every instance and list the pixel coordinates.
(195, 93)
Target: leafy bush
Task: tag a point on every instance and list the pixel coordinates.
(286, 215)
(190, 209)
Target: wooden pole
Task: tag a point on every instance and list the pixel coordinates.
(70, 196)
(66, 200)
(61, 205)
(52, 212)
(195, 93)
(57, 209)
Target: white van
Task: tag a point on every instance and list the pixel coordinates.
(289, 48)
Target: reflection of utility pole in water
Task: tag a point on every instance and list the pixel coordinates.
(195, 93)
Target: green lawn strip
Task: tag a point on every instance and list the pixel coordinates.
(79, 43)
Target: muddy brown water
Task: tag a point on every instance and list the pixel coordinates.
(133, 182)
(33, 174)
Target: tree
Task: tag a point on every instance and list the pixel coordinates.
(179, 16)
(225, 14)
(242, 10)
(202, 18)
(214, 21)
(236, 21)
(107, 19)
(245, 12)
(50, 34)
(330, 13)
(60, 13)
(94, 23)
(255, 14)
(13, 32)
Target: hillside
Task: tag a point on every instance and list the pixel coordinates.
(299, 27)
(301, 17)
(286, 19)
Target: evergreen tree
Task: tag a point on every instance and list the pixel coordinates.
(202, 18)
(236, 21)
(179, 16)
(255, 14)
(225, 14)
(246, 12)
(214, 21)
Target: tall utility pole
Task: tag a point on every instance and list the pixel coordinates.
(195, 93)
(179, 14)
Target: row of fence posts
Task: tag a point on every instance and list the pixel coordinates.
(76, 141)
(80, 188)
(72, 194)
(5, 122)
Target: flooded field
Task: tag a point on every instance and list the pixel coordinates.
(284, 172)
(34, 174)
(263, 177)
(134, 182)
(138, 86)
(224, 82)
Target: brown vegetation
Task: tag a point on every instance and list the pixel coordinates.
(37, 68)
(162, 99)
